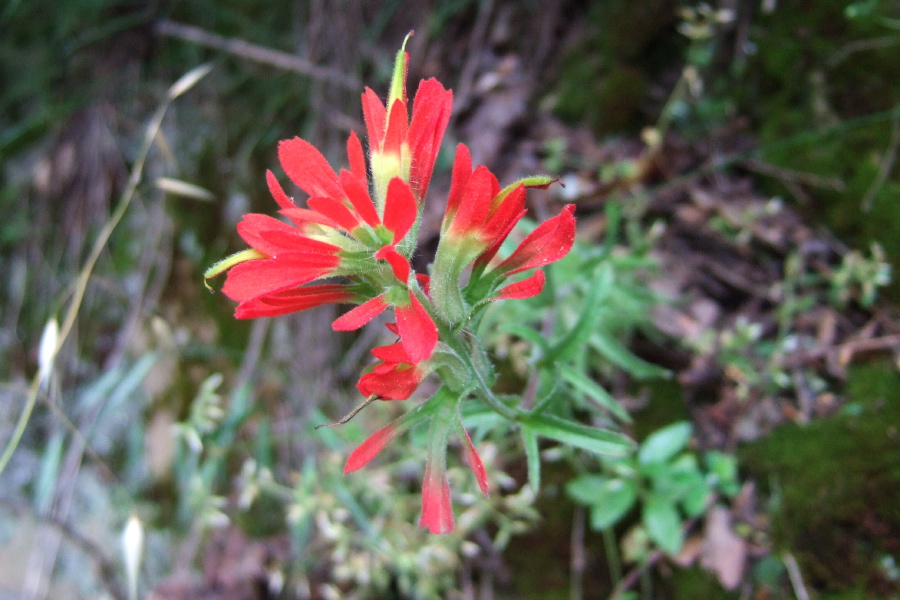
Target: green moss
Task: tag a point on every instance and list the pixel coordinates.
(834, 486)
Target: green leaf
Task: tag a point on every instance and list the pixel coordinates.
(617, 498)
(619, 355)
(663, 523)
(695, 497)
(526, 333)
(588, 387)
(592, 439)
(724, 468)
(574, 340)
(533, 455)
(662, 445)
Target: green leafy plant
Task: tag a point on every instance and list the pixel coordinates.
(664, 479)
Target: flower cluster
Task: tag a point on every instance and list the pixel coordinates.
(352, 244)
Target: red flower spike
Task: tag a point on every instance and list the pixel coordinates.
(474, 461)
(359, 316)
(400, 209)
(398, 262)
(308, 169)
(528, 287)
(358, 194)
(392, 381)
(432, 106)
(278, 192)
(356, 157)
(375, 117)
(293, 300)
(372, 447)
(256, 278)
(549, 242)
(417, 331)
(437, 512)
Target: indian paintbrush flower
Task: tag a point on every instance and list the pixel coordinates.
(352, 244)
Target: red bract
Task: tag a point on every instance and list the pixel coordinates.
(549, 242)
(437, 511)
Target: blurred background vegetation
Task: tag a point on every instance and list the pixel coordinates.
(729, 303)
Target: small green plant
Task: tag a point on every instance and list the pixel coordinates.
(665, 479)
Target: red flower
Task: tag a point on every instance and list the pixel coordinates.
(396, 377)
(437, 511)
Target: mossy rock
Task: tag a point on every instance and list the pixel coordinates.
(834, 487)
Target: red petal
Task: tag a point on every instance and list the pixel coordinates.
(375, 117)
(336, 211)
(485, 257)
(294, 300)
(308, 168)
(473, 210)
(272, 237)
(424, 281)
(359, 316)
(303, 217)
(475, 463)
(418, 332)
(258, 277)
(437, 512)
(462, 171)
(398, 123)
(277, 192)
(356, 157)
(394, 353)
(394, 383)
(400, 209)
(370, 448)
(549, 242)
(528, 287)
(358, 195)
(510, 207)
(431, 114)
(398, 262)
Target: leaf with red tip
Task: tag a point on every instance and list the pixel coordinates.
(375, 117)
(549, 242)
(398, 262)
(336, 211)
(398, 123)
(400, 209)
(474, 460)
(277, 191)
(307, 168)
(462, 171)
(437, 511)
(303, 217)
(359, 316)
(358, 195)
(393, 353)
(431, 114)
(393, 381)
(485, 257)
(372, 447)
(272, 237)
(418, 332)
(293, 300)
(257, 277)
(356, 157)
(528, 287)
(473, 210)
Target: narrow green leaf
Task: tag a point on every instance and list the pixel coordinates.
(592, 439)
(665, 443)
(47, 475)
(588, 387)
(622, 357)
(533, 455)
(526, 333)
(663, 523)
(575, 339)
